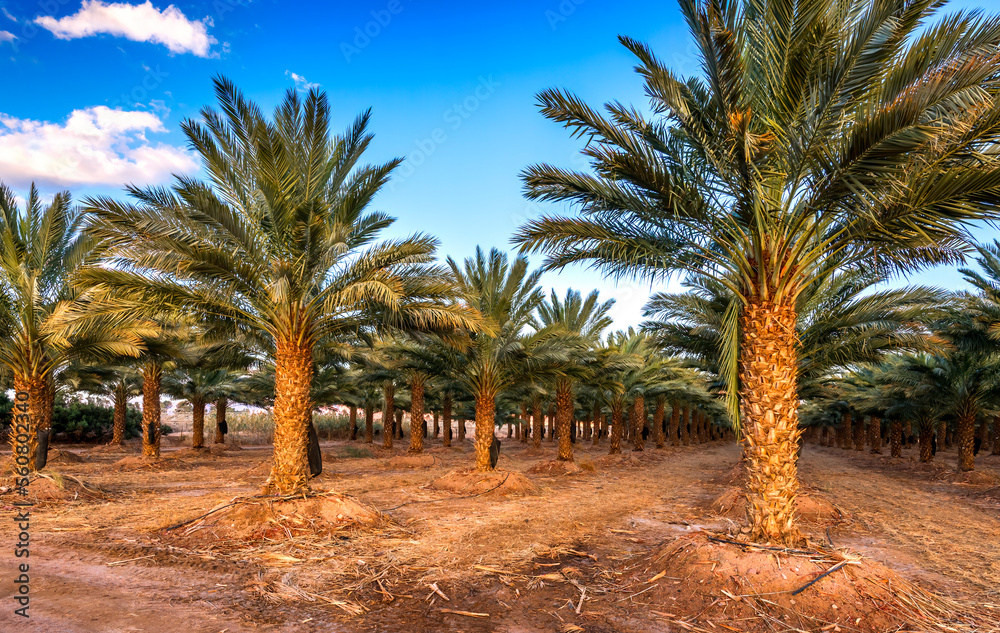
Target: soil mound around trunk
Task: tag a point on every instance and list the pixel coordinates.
(138, 462)
(411, 461)
(808, 507)
(497, 482)
(112, 449)
(701, 583)
(622, 460)
(555, 467)
(187, 453)
(250, 520)
(57, 456)
(50, 487)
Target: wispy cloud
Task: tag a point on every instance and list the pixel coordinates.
(95, 146)
(7, 36)
(7, 14)
(139, 23)
(301, 83)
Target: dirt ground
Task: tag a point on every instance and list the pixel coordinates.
(557, 554)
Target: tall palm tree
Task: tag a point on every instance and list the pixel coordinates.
(42, 248)
(506, 294)
(277, 240)
(578, 324)
(850, 129)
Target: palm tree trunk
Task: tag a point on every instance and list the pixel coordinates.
(875, 435)
(638, 423)
(446, 418)
(673, 432)
(437, 423)
(353, 421)
(48, 411)
(461, 429)
(121, 402)
(685, 425)
(152, 373)
(942, 431)
(598, 424)
(564, 418)
(658, 417)
(926, 435)
(996, 435)
(859, 434)
(417, 413)
(398, 427)
(616, 428)
(293, 373)
(537, 424)
(966, 437)
(769, 412)
(525, 423)
(369, 424)
(485, 413)
(220, 419)
(846, 432)
(28, 412)
(197, 422)
(895, 438)
(388, 413)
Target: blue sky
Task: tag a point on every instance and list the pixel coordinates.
(95, 93)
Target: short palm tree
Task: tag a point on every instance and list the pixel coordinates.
(506, 294)
(276, 240)
(849, 129)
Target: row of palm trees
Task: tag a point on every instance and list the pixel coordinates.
(824, 147)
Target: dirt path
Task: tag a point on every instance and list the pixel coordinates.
(914, 518)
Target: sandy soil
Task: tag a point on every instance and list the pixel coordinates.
(106, 563)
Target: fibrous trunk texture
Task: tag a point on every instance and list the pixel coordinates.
(485, 414)
(926, 437)
(564, 419)
(437, 423)
(846, 432)
(616, 429)
(197, 422)
(875, 435)
(220, 419)
(388, 413)
(769, 412)
(675, 420)
(417, 413)
(658, 415)
(121, 402)
(966, 439)
(293, 374)
(538, 422)
(152, 373)
(29, 404)
(369, 424)
(686, 425)
(353, 421)
(638, 423)
(859, 434)
(895, 438)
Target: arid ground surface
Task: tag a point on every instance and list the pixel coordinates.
(567, 556)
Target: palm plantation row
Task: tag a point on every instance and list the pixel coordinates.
(823, 148)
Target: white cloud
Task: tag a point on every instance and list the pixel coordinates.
(96, 146)
(7, 36)
(139, 23)
(301, 83)
(8, 15)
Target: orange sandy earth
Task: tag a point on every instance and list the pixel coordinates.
(104, 564)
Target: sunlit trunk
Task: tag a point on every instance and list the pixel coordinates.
(485, 417)
(28, 412)
(638, 423)
(875, 435)
(525, 423)
(446, 418)
(197, 422)
(121, 411)
(686, 425)
(658, 417)
(152, 374)
(673, 432)
(616, 428)
(769, 412)
(388, 413)
(353, 421)
(966, 436)
(417, 413)
(293, 373)
(536, 432)
(369, 424)
(564, 418)
(895, 438)
(859, 433)
(926, 437)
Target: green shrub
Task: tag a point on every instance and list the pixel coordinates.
(353, 451)
(92, 422)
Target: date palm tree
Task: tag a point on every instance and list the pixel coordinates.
(506, 294)
(850, 129)
(277, 239)
(578, 324)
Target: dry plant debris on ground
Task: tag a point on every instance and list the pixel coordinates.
(622, 544)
